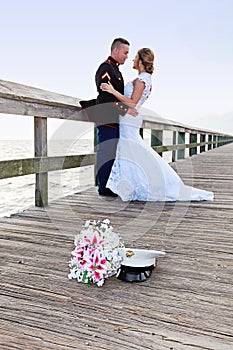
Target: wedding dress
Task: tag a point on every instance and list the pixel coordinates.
(140, 173)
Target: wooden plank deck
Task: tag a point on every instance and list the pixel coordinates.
(186, 304)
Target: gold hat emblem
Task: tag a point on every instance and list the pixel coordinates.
(129, 253)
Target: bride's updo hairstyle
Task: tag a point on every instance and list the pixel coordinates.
(146, 55)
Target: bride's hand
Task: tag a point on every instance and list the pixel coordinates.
(107, 87)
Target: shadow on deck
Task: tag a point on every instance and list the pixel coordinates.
(185, 305)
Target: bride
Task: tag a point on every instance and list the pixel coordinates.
(140, 173)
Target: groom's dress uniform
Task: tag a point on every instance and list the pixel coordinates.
(108, 131)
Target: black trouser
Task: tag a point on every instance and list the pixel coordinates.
(107, 137)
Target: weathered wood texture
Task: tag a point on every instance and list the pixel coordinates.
(27, 100)
(41, 150)
(38, 165)
(21, 99)
(186, 304)
(167, 148)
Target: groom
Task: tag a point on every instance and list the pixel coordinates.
(108, 131)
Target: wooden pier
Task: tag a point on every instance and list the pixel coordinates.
(185, 305)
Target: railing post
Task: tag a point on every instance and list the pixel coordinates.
(202, 139)
(181, 140)
(193, 139)
(210, 139)
(174, 142)
(157, 139)
(214, 139)
(40, 145)
(221, 143)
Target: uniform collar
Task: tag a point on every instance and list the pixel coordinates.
(112, 60)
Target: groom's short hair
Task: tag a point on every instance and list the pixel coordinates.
(117, 42)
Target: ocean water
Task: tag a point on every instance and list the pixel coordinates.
(18, 193)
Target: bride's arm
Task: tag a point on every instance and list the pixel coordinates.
(136, 94)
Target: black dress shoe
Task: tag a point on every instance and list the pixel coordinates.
(108, 193)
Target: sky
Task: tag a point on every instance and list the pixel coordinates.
(57, 45)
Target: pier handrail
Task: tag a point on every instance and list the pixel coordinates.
(19, 99)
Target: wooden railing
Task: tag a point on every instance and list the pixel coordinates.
(18, 99)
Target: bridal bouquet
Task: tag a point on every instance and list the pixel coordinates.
(96, 254)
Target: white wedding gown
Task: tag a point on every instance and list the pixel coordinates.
(140, 173)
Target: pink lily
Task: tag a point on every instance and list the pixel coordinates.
(97, 265)
(94, 242)
(79, 253)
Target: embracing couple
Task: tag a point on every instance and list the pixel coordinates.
(126, 166)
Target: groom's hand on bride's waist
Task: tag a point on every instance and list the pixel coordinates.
(132, 111)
